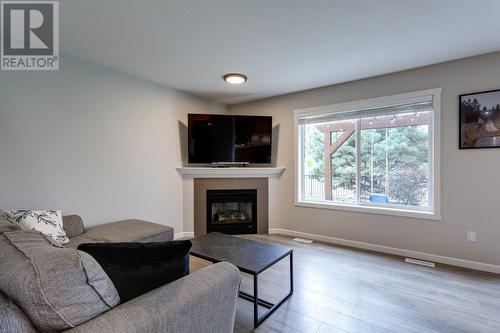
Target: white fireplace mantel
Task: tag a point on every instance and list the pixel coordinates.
(245, 172)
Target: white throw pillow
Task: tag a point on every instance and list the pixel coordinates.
(48, 222)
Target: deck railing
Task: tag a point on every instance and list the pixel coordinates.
(314, 188)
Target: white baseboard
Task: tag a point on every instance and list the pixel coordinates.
(184, 235)
(392, 250)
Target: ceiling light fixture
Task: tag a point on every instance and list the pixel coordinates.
(235, 78)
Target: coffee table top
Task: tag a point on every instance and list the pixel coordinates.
(249, 256)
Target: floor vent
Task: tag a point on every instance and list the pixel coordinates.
(420, 262)
(303, 240)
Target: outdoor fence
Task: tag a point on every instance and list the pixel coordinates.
(314, 188)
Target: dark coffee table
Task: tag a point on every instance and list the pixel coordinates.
(250, 257)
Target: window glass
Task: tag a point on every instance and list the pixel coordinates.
(394, 163)
(389, 166)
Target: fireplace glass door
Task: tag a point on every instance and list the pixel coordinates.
(232, 211)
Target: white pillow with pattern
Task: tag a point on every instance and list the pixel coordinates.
(48, 222)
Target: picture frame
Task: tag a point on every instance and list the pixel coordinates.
(479, 120)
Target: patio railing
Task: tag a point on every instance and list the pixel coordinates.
(314, 188)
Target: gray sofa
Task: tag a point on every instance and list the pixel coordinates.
(121, 231)
(204, 301)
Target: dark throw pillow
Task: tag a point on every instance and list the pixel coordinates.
(137, 268)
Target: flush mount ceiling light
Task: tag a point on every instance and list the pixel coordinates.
(235, 78)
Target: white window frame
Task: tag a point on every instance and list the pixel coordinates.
(434, 210)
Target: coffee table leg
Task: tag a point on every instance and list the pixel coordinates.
(257, 320)
(291, 273)
(255, 300)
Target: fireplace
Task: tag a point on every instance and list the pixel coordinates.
(232, 211)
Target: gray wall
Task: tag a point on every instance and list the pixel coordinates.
(470, 179)
(94, 142)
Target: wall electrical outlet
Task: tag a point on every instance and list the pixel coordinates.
(471, 236)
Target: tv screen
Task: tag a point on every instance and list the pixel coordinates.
(225, 138)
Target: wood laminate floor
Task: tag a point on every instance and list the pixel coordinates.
(340, 289)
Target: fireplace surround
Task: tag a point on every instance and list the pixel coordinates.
(197, 180)
(203, 187)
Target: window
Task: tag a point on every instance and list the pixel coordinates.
(377, 155)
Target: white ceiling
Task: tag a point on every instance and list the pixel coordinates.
(281, 45)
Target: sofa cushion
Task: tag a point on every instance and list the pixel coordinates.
(137, 268)
(12, 319)
(73, 225)
(3, 217)
(122, 231)
(56, 287)
(6, 224)
(48, 222)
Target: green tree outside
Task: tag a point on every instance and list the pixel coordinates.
(394, 162)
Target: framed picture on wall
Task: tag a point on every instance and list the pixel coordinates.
(480, 120)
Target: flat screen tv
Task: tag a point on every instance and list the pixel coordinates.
(229, 139)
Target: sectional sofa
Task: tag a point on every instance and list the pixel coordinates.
(204, 301)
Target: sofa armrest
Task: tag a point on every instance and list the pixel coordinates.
(204, 301)
(73, 225)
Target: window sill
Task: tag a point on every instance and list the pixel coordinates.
(371, 210)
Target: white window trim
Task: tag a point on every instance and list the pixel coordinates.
(434, 155)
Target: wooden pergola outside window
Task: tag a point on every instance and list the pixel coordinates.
(346, 128)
